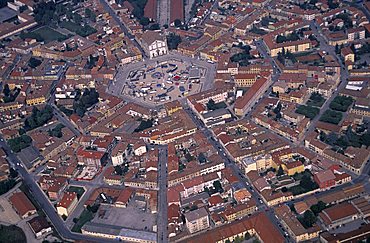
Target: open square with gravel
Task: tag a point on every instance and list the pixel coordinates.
(132, 217)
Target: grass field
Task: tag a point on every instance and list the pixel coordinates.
(11, 234)
(78, 29)
(44, 34)
(79, 190)
(85, 217)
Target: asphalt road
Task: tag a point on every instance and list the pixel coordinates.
(364, 10)
(162, 219)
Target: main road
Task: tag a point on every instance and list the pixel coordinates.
(162, 219)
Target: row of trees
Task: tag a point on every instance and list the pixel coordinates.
(283, 55)
(348, 138)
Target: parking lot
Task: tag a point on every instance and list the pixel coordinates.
(135, 216)
(163, 79)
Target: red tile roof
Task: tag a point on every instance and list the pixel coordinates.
(150, 10)
(259, 222)
(67, 199)
(177, 10)
(21, 203)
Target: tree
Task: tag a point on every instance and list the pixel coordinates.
(308, 219)
(307, 183)
(77, 18)
(69, 15)
(177, 23)
(90, 14)
(118, 170)
(202, 158)
(211, 105)
(317, 208)
(144, 21)
(19, 143)
(6, 90)
(44, 12)
(38, 118)
(6, 185)
(173, 41)
(218, 187)
(154, 27)
(238, 239)
(280, 39)
(33, 62)
(56, 131)
(280, 171)
(86, 100)
(13, 173)
(23, 8)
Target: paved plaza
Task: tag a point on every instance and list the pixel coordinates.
(157, 81)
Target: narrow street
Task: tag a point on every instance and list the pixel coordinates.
(163, 12)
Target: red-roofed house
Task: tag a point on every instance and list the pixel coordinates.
(124, 197)
(22, 205)
(90, 158)
(67, 204)
(325, 179)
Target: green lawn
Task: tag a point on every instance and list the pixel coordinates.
(11, 234)
(79, 190)
(44, 34)
(316, 99)
(82, 31)
(85, 217)
(330, 116)
(315, 103)
(308, 111)
(341, 103)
